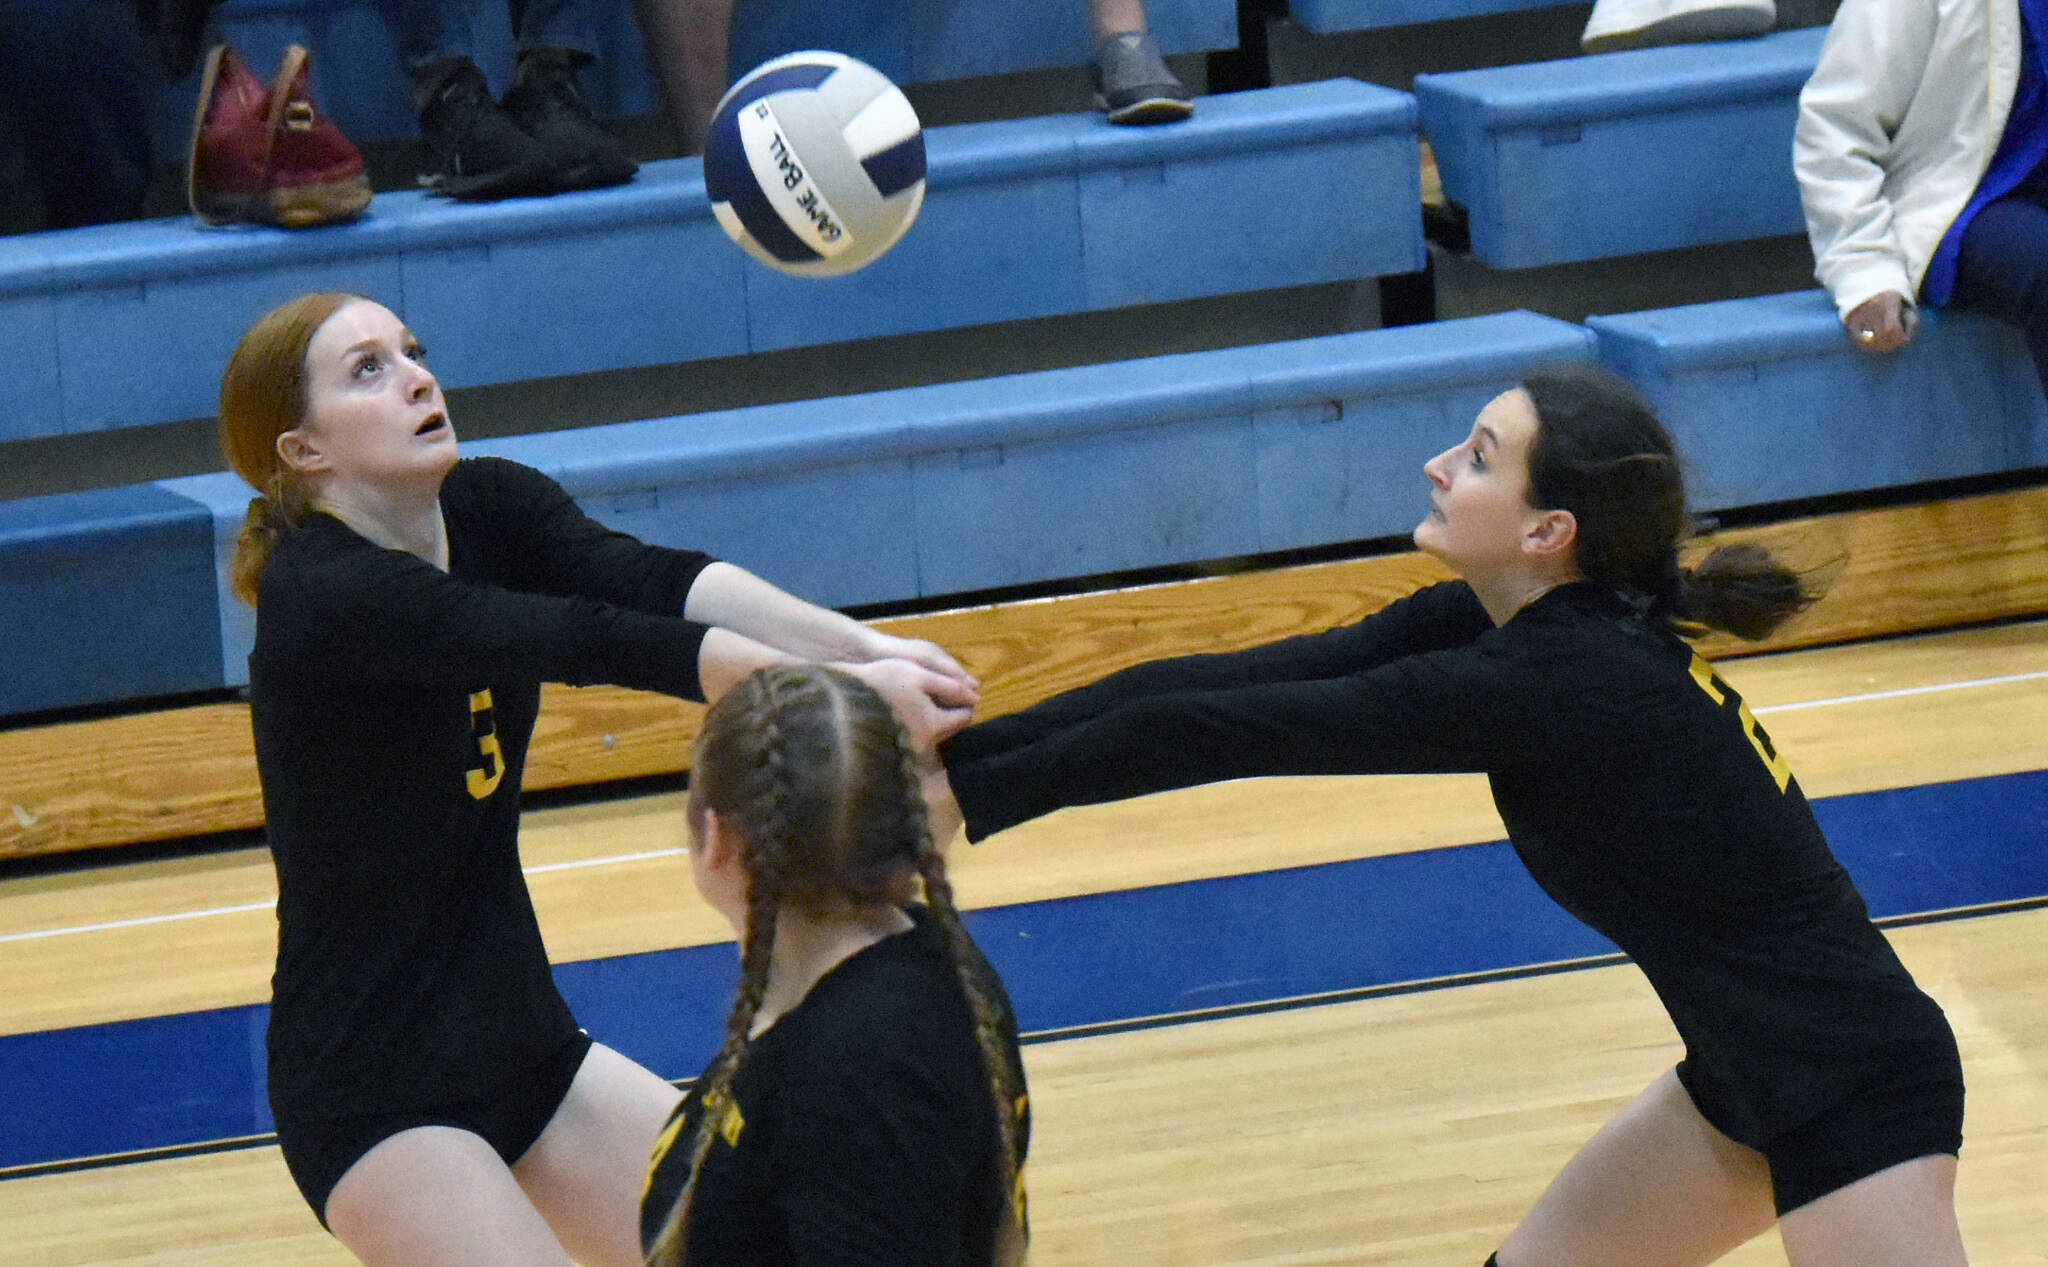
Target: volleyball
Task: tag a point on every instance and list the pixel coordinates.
(815, 164)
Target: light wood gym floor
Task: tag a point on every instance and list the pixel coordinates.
(1408, 1129)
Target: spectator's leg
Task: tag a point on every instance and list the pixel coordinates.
(553, 24)
(556, 41)
(78, 79)
(1116, 17)
(1132, 82)
(478, 152)
(428, 43)
(686, 45)
(2002, 269)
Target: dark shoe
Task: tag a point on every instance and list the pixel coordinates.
(265, 155)
(546, 105)
(480, 152)
(1133, 85)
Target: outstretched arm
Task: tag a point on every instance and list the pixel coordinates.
(732, 598)
(1443, 712)
(1435, 618)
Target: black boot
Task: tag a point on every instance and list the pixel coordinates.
(480, 152)
(545, 102)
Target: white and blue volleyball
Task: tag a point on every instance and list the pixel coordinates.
(815, 164)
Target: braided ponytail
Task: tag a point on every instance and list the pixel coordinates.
(1013, 1232)
(1601, 453)
(764, 783)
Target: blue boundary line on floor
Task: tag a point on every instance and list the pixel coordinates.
(1091, 964)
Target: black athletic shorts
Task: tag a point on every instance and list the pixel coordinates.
(1910, 1110)
(319, 1150)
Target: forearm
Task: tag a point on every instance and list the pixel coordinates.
(727, 657)
(1333, 653)
(735, 600)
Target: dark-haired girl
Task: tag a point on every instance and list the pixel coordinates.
(434, 1098)
(867, 1104)
(1820, 1088)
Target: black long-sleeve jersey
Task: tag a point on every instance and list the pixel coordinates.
(862, 1129)
(392, 705)
(1636, 786)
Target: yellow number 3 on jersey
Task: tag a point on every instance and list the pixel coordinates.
(1724, 695)
(485, 781)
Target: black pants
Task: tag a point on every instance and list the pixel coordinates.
(2002, 269)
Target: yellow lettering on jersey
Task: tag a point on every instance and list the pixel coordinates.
(1721, 693)
(661, 1147)
(730, 1124)
(485, 781)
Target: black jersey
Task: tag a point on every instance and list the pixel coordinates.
(1635, 784)
(862, 1128)
(392, 705)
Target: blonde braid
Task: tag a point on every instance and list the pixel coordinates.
(1014, 1232)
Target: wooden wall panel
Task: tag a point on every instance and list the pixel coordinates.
(191, 771)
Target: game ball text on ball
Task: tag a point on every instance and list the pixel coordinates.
(815, 164)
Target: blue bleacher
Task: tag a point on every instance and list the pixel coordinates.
(919, 492)
(1769, 401)
(105, 595)
(1624, 152)
(958, 487)
(1328, 17)
(358, 80)
(128, 324)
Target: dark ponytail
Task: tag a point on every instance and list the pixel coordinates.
(1601, 453)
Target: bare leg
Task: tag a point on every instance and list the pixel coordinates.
(686, 42)
(435, 1196)
(586, 1171)
(1115, 17)
(1905, 1216)
(1655, 1187)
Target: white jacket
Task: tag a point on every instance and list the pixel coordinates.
(1896, 127)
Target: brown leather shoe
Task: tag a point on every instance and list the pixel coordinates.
(265, 155)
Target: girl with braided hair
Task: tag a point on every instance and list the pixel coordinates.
(867, 1103)
(1820, 1088)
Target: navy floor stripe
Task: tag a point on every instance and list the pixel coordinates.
(1096, 963)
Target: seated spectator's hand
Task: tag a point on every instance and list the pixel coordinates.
(1883, 324)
